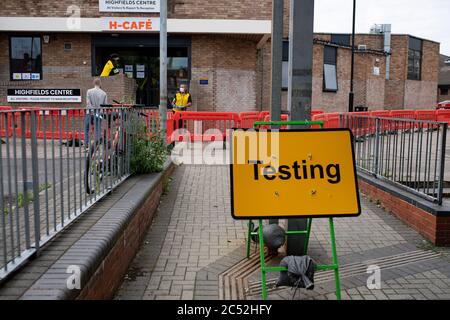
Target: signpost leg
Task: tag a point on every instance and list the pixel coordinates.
(249, 237)
(308, 233)
(262, 259)
(335, 259)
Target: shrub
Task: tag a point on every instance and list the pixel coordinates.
(149, 152)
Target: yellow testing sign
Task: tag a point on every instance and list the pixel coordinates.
(293, 173)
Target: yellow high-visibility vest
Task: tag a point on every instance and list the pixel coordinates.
(181, 100)
(109, 70)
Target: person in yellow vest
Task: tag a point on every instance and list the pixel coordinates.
(111, 67)
(182, 101)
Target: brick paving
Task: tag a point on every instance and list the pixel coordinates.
(193, 239)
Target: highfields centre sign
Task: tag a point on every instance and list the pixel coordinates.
(129, 5)
(295, 173)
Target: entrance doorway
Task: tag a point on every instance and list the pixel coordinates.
(139, 59)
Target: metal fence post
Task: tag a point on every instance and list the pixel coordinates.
(35, 174)
(442, 163)
(24, 179)
(377, 145)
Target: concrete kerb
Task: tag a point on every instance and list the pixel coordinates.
(90, 251)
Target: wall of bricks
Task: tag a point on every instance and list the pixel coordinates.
(108, 277)
(422, 94)
(372, 41)
(435, 228)
(369, 87)
(263, 78)
(186, 9)
(331, 101)
(64, 69)
(395, 86)
(229, 64)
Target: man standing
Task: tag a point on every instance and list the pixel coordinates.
(182, 101)
(95, 98)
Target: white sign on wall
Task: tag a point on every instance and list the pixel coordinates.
(44, 95)
(376, 71)
(129, 5)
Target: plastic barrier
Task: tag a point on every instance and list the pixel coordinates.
(284, 117)
(365, 127)
(316, 112)
(317, 117)
(152, 122)
(5, 121)
(380, 113)
(443, 116)
(247, 119)
(60, 122)
(263, 114)
(201, 125)
(68, 124)
(425, 115)
(331, 120)
(384, 125)
(18, 121)
(428, 115)
(403, 114)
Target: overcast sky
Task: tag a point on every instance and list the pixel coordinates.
(429, 19)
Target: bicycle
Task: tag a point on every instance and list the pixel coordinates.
(106, 154)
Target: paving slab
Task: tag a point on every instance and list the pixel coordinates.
(194, 240)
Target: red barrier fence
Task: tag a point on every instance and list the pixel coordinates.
(429, 115)
(443, 116)
(5, 120)
(247, 119)
(202, 126)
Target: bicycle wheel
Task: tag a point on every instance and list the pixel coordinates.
(94, 168)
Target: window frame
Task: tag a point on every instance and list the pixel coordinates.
(329, 62)
(414, 48)
(344, 37)
(41, 77)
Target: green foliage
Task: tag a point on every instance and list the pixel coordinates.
(126, 100)
(149, 152)
(30, 197)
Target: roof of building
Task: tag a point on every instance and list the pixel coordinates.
(377, 34)
(444, 70)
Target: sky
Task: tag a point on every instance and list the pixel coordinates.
(429, 19)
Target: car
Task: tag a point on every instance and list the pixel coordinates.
(444, 105)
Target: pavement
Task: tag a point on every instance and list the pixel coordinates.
(22, 280)
(196, 250)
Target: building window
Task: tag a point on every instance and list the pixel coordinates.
(25, 58)
(341, 39)
(444, 91)
(414, 59)
(67, 46)
(329, 69)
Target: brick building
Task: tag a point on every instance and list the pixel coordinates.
(444, 78)
(221, 50)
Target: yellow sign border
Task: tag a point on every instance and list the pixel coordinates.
(281, 216)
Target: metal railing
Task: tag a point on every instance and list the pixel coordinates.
(407, 153)
(49, 176)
